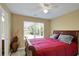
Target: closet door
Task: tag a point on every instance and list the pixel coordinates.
(4, 47)
(0, 34)
(6, 35)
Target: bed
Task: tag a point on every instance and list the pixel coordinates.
(52, 47)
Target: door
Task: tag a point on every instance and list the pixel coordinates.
(0, 33)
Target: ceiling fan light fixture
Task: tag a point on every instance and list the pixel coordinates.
(45, 11)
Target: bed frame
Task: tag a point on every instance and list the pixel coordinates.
(29, 48)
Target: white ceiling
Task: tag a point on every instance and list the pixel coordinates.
(34, 9)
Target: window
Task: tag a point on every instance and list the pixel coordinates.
(33, 30)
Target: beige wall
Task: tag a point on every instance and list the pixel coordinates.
(17, 26)
(66, 22)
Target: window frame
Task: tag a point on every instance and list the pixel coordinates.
(35, 29)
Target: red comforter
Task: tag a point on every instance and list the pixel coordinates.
(51, 47)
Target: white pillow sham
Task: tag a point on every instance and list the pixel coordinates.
(54, 36)
(65, 38)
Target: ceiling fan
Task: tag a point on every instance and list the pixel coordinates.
(47, 6)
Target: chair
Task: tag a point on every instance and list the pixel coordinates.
(14, 44)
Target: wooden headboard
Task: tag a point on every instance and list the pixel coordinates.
(74, 33)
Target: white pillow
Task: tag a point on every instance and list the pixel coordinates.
(65, 38)
(54, 36)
